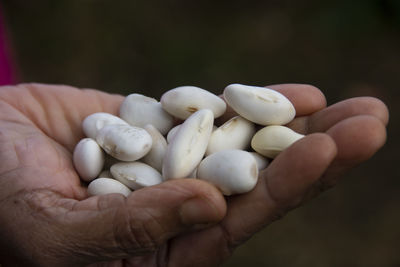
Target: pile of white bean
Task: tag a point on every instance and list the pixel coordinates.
(142, 147)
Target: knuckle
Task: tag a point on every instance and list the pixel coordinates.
(139, 233)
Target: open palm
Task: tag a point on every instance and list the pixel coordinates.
(47, 218)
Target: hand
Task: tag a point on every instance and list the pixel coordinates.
(47, 219)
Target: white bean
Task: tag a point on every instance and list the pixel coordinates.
(232, 171)
(103, 186)
(261, 161)
(236, 133)
(188, 146)
(139, 110)
(172, 133)
(259, 104)
(135, 175)
(155, 156)
(271, 140)
(88, 159)
(183, 101)
(93, 123)
(124, 142)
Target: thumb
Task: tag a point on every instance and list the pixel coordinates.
(113, 227)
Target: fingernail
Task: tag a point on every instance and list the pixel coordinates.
(198, 211)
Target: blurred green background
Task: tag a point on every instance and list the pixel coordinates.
(346, 48)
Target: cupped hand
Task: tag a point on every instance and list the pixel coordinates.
(47, 218)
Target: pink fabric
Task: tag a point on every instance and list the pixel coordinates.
(7, 75)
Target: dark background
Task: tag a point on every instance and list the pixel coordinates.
(346, 48)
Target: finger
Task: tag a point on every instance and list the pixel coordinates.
(305, 98)
(357, 139)
(326, 118)
(281, 186)
(111, 227)
(58, 110)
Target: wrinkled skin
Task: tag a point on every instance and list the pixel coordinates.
(47, 218)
